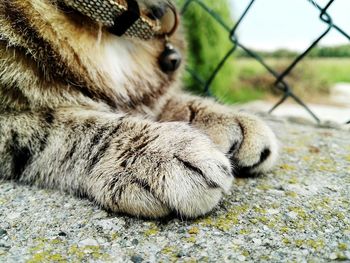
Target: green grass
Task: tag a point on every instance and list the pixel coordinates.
(334, 70)
(311, 78)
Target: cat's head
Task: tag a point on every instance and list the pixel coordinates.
(70, 42)
(142, 20)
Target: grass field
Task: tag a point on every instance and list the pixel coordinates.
(311, 79)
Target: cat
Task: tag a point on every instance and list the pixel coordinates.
(93, 114)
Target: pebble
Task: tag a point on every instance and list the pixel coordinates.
(100, 215)
(136, 259)
(106, 224)
(13, 216)
(4, 245)
(333, 256)
(62, 234)
(276, 192)
(238, 241)
(257, 241)
(241, 258)
(292, 215)
(68, 206)
(3, 232)
(88, 242)
(273, 211)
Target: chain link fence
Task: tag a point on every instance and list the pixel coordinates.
(280, 82)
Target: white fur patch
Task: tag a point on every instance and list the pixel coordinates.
(123, 63)
(113, 57)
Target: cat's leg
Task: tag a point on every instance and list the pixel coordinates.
(123, 163)
(247, 140)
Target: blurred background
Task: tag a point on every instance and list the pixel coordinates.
(278, 31)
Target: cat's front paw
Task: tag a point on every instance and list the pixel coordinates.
(180, 171)
(257, 149)
(248, 142)
(197, 175)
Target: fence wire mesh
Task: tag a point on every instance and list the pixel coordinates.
(280, 78)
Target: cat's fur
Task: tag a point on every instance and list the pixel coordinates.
(93, 115)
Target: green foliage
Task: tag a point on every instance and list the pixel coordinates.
(243, 79)
(335, 52)
(310, 79)
(208, 43)
(341, 51)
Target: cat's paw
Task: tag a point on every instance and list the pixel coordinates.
(256, 150)
(179, 171)
(196, 174)
(248, 142)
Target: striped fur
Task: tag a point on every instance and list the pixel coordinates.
(92, 114)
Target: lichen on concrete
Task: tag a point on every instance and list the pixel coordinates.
(298, 213)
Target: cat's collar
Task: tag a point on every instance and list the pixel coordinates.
(125, 17)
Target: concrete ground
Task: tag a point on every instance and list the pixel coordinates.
(298, 213)
(333, 113)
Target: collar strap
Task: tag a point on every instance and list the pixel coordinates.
(121, 17)
(127, 19)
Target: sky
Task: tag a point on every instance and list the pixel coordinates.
(292, 24)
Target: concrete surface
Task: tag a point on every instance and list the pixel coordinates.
(340, 93)
(338, 114)
(298, 213)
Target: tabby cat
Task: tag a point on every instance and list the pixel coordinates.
(92, 113)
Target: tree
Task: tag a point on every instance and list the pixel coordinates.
(208, 43)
